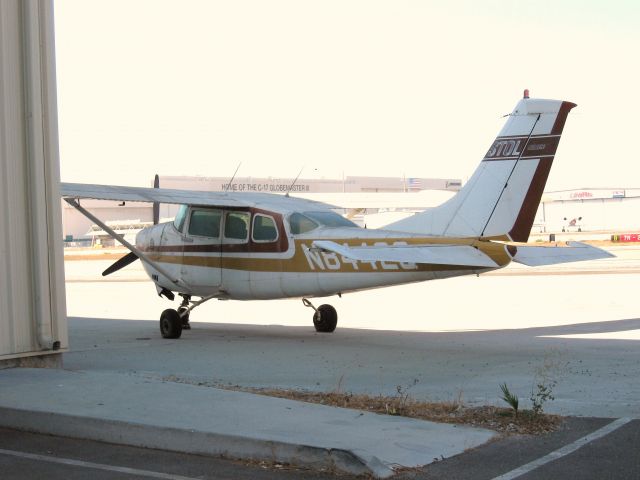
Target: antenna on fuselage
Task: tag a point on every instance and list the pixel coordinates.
(294, 182)
(233, 176)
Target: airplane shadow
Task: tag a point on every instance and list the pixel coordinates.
(202, 330)
(587, 328)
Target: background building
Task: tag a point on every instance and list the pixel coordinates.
(348, 184)
(589, 210)
(127, 217)
(374, 201)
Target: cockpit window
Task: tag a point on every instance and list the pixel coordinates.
(299, 223)
(330, 219)
(236, 227)
(264, 229)
(205, 223)
(181, 216)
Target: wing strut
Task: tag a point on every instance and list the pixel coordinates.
(120, 238)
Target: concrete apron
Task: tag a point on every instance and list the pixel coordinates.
(132, 410)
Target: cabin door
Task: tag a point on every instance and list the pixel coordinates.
(201, 256)
(236, 260)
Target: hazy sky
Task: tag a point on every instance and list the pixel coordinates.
(361, 87)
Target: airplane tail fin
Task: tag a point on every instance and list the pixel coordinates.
(501, 198)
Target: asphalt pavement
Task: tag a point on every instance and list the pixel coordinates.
(614, 456)
(444, 341)
(142, 411)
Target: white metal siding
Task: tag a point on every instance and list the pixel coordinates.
(32, 297)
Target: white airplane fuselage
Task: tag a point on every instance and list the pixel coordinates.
(290, 266)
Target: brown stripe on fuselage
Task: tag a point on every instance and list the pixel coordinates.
(250, 247)
(299, 263)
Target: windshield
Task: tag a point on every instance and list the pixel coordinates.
(307, 221)
(181, 216)
(330, 219)
(299, 223)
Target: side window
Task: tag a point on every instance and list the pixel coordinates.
(264, 229)
(181, 216)
(298, 223)
(236, 227)
(205, 223)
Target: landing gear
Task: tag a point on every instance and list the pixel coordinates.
(173, 322)
(183, 311)
(325, 317)
(170, 324)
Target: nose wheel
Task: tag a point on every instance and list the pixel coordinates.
(325, 317)
(170, 324)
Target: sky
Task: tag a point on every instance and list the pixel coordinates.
(389, 88)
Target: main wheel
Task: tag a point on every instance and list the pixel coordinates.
(325, 319)
(170, 324)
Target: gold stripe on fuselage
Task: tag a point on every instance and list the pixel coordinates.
(303, 261)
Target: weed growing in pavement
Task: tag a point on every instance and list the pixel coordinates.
(398, 403)
(510, 398)
(453, 411)
(457, 402)
(340, 385)
(543, 393)
(546, 379)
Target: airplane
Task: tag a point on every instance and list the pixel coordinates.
(247, 246)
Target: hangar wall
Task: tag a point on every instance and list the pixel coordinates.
(32, 295)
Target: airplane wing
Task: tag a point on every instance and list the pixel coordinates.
(429, 254)
(183, 197)
(139, 194)
(535, 256)
(72, 192)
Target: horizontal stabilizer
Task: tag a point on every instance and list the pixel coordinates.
(534, 256)
(463, 255)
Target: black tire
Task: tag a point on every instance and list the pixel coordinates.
(170, 324)
(325, 319)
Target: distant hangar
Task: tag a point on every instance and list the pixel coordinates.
(584, 210)
(123, 216)
(589, 210)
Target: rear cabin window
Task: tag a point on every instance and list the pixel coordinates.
(264, 229)
(298, 224)
(205, 223)
(236, 227)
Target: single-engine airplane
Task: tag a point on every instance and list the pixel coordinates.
(247, 246)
